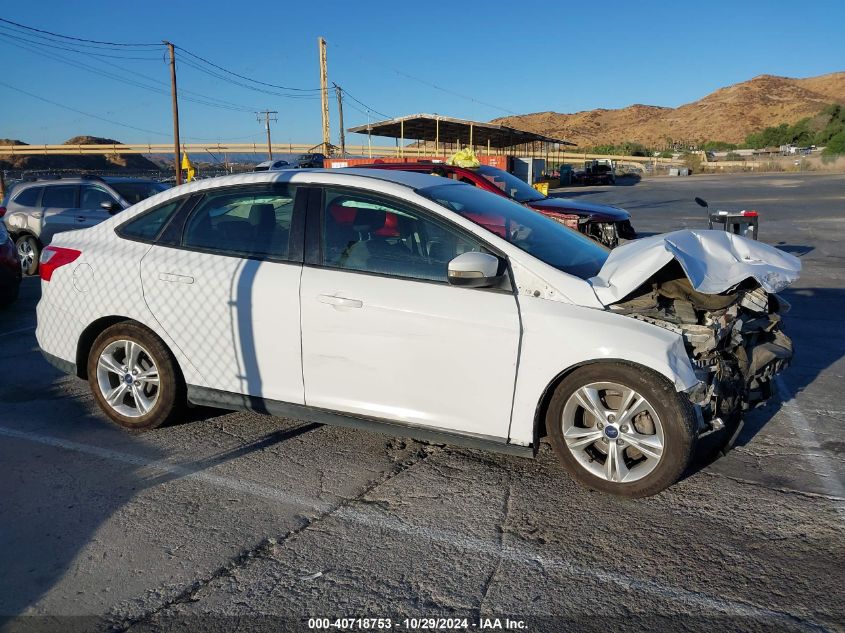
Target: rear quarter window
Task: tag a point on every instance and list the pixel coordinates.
(147, 226)
(28, 197)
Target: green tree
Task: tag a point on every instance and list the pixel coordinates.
(836, 145)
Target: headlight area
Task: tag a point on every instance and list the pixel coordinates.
(734, 341)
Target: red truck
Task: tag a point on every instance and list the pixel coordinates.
(604, 223)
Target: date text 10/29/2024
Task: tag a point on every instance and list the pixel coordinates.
(417, 624)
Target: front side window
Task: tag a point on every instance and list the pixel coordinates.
(93, 197)
(373, 234)
(249, 223)
(28, 197)
(147, 226)
(528, 230)
(60, 196)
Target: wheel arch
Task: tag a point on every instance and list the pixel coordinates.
(543, 404)
(89, 335)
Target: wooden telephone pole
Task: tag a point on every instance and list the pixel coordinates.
(177, 154)
(267, 114)
(339, 92)
(324, 94)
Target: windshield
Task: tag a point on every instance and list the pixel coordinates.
(513, 187)
(544, 238)
(134, 192)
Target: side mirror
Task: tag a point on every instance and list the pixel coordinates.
(111, 207)
(702, 203)
(475, 270)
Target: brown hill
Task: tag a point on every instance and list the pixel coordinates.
(728, 114)
(87, 162)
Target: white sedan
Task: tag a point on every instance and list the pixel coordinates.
(418, 306)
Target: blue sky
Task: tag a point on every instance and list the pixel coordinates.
(486, 59)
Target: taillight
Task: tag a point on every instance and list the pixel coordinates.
(54, 257)
(2, 211)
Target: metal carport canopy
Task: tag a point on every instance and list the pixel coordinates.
(443, 129)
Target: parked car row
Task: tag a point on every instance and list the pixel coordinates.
(423, 306)
(303, 161)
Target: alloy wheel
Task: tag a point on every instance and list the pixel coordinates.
(613, 432)
(128, 378)
(26, 253)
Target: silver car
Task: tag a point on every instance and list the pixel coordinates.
(37, 210)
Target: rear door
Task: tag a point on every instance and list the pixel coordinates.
(60, 211)
(223, 282)
(385, 335)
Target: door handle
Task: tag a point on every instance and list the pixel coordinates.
(179, 279)
(340, 302)
(80, 218)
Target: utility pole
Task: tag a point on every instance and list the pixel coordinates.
(339, 92)
(177, 154)
(324, 94)
(267, 114)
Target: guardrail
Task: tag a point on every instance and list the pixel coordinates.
(295, 148)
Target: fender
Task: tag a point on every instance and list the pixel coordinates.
(559, 336)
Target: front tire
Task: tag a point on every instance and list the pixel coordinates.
(29, 250)
(621, 429)
(134, 378)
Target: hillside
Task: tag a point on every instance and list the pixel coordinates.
(88, 162)
(728, 114)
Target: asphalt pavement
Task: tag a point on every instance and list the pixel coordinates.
(237, 521)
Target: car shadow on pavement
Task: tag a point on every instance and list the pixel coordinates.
(60, 485)
(799, 250)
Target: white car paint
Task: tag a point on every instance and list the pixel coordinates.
(425, 354)
(237, 319)
(472, 361)
(714, 261)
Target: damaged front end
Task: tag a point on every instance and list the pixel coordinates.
(719, 293)
(734, 339)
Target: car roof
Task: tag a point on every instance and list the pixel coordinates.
(409, 179)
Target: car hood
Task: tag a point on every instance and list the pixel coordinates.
(597, 212)
(714, 262)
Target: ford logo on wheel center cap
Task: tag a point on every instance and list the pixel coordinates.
(611, 431)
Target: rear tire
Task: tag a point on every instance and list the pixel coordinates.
(607, 412)
(135, 378)
(29, 250)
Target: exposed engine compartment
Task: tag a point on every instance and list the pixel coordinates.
(734, 338)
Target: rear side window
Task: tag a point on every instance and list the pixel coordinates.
(147, 226)
(28, 197)
(248, 223)
(61, 196)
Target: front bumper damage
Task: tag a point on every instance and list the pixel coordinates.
(719, 295)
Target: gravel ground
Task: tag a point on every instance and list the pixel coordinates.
(239, 521)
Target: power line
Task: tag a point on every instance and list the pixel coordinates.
(351, 96)
(53, 44)
(76, 39)
(202, 99)
(430, 84)
(234, 74)
(88, 114)
(243, 85)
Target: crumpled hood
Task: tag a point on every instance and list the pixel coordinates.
(598, 212)
(714, 262)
